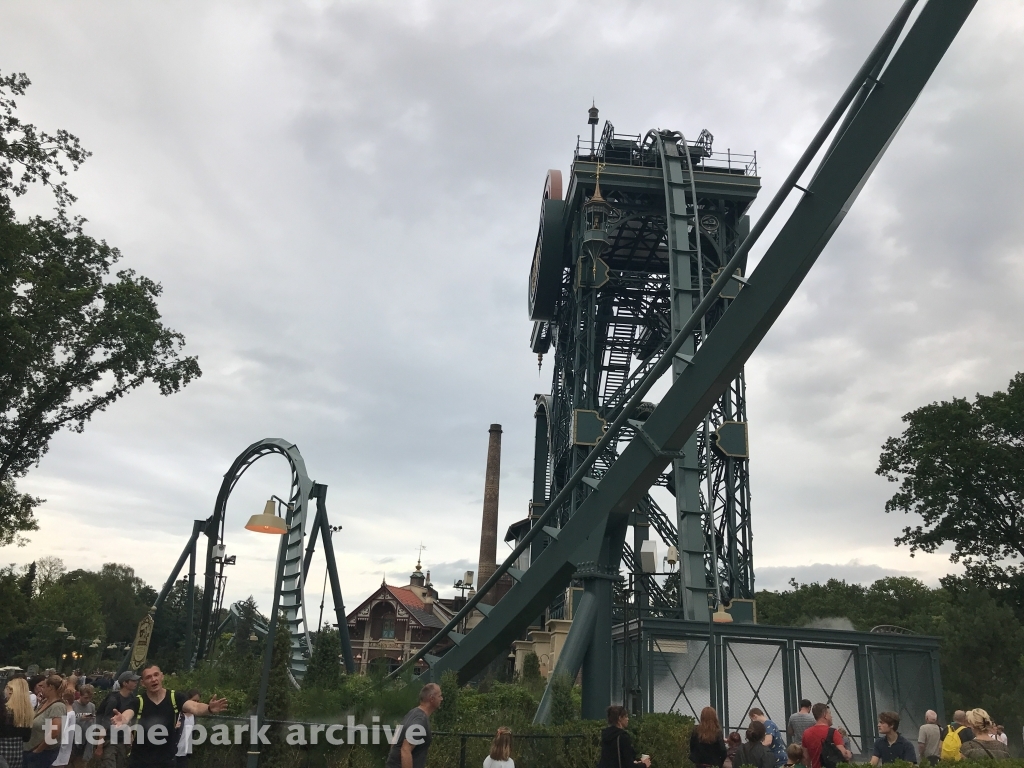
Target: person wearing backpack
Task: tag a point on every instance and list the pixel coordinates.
(158, 710)
(954, 735)
(111, 753)
(823, 743)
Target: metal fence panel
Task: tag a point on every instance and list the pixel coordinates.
(754, 678)
(679, 675)
(858, 674)
(903, 683)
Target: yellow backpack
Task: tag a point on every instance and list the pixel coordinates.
(951, 744)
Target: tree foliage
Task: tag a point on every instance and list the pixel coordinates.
(894, 600)
(13, 602)
(531, 667)
(29, 155)
(564, 708)
(960, 466)
(167, 648)
(124, 597)
(324, 670)
(280, 687)
(16, 514)
(75, 340)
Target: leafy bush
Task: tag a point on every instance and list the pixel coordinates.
(531, 667)
(324, 670)
(563, 706)
(665, 737)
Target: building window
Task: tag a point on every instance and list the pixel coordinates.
(388, 629)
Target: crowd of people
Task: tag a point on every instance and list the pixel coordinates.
(46, 717)
(814, 742)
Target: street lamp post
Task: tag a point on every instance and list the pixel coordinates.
(63, 631)
(268, 522)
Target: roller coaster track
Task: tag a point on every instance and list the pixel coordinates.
(874, 106)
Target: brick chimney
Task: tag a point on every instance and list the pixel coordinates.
(489, 525)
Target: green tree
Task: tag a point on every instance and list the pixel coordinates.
(13, 602)
(324, 670)
(280, 687)
(894, 600)
(15, 513)
(448, 716)
(167, 648)
(279, 695)
(531, 667)
(77, 607)
(806, 602)
(960, 466)
(49, 570)
(74, 340)
(28, 581)
(982, 656)
(563, 704)
(125, 598)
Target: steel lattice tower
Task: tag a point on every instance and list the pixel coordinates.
(644, 228)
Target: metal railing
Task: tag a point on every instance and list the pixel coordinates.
(528, 750)
(630, 149)
(449, 749)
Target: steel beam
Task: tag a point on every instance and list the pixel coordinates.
(320, 491)
(717, 362)
(570, 659)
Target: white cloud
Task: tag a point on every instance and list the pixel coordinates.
(340, 200)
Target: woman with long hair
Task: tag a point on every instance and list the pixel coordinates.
(42, 747)
(984, 744)
(707, 746)
(501, 750)
(16, 723)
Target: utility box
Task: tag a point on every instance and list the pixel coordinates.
(649, 556)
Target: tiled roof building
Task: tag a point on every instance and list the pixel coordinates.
(394, 622)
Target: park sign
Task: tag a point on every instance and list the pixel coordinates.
(140, 648)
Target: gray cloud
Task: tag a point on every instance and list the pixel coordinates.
(340, 200)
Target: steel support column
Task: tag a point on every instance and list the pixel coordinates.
(598, 525)
(573, 652)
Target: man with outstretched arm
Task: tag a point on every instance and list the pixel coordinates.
(413, 742)
(157, 710)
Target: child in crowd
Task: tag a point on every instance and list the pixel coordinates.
(501, 751)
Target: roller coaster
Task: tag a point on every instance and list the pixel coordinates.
(641, 268)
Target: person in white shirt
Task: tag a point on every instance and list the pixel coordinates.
(67, 729)
(185, 740)
(501, 750)
(1001, 734)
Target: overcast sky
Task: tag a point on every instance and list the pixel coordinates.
(341, 198)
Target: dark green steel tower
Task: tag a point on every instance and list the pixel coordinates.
(644, 228)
